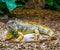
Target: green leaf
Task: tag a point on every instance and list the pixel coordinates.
(53, 4)
(11, 5)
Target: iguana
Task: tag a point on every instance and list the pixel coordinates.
(19, 29)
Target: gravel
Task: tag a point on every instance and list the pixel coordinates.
(46, 45)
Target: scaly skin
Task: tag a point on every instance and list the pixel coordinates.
(27, 28)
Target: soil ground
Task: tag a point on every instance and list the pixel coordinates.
(42, 16)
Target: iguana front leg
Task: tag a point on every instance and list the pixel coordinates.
(20, 38)
(37, 34)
